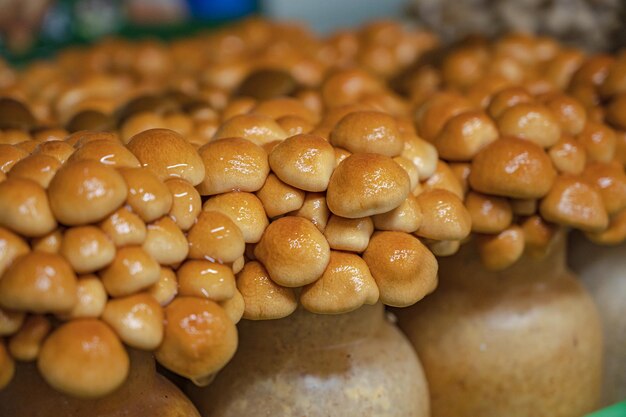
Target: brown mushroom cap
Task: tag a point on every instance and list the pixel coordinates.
(293, 251)
(85, 192)
(7, 366)
(568, 156)
(279, 107)
(199, 338)
(168, 155)
(264, 299)
(444, 217)
(137, 320)
(407, 217)
(165, 242)
(278, 197)
(570, 113)
(234, 307)
(366, 184)
(512, 167)
(124, 228)
(489, 214)
(166, 288)
(9, 156)
(26, 344)
(346, 285)
(368, 131)
(24, 208)
(351, 235)
(538, 234)
(464, 135)
(83, 358)
(506, 98)
(437, 110)
(303, 161)
(61, 151)
(87, 248)
(132, 270)
(92, 298)
(614, 234)
(404, 269)
(206, 279)
(610, 179)
(11, 247)
(410, 169)
(244, 209)
(10, 321)
(499, 251)
(294, 125)
(39, 282)
(256, 128)
(38, 168)
(444, 179)
(529, 121)
(107, 152)
(233, 164)
(147, 196)
(315, 210)
(186, 203)
(422, 154)
(215, 237)
(599, 141)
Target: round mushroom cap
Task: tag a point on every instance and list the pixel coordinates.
(489, 214)
(50, 243)
(12, 246)
(506, 98)
(24, 208)
(351, 235)
(279, 107)
(83, 358)
(610, 179)
(233, 164)
(26, 344)
(263, 298)
(199, 338)
(234, 307)
(368, 131)
(315, 210)
(106, 152)
(570, 113)
(148, 196)
(168, 155)
(166, 288)
(293, 251)
(124, 228)
(38, 168)
(345, 285)
(132, 270)
(294, 125)
(10, 321)
(437, 110)
(514, 168)
(244, 209)
(137, 320)
(407, 217)
(444, 217)
(39, 282)
(186, 203)
(267, 83)
(256, 128)
(87, 248)
(85, 192)
(365, 184)
(279, 198)
(443, 179)
(303, 161)
(538, 234)
(568, 156)
(80, 139)
(614, 234)
(599, 141)
(499, 251)
(215, 237)
(9, 156)
(404, 269)
(422, 154)
(464, 135)
(7, 366)
(530, 121)
(206, 279)
(92, 297)
(56, 149)
(165, 242)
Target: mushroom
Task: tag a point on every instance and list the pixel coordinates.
(165, 242)
(25, 345)
(11, 248)
(215, 237)
(368, 132)
(278, 197)
(132, 270)
(92, 297)
(124, 228)
(166, 288)
(106, 152)
(39, 168)
(205, 279)
(24, 208)
(186, 203)
(245, 210)
(147, 196)
(137, 319)
(351, 235)
(263, 298)
(256, 128)
(87, 248)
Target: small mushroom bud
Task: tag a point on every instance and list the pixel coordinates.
(83, 358)
(7, 366)
(489, 214)
(256, 128)
(61, 151)
(186, 203)
(407, 217)
(340, 155)
(132, 270)
(106, 152)
(599, 141)
(87, 248)
(461, 171)
(10, 321)
(244, 209)
(368, 132)
(423, 155)
(570, 113)
(148, 196)
(92, 298)
(38, 168)
(263, 298)
(351, 235)
(215, 237)
(532, 122)
(165, 242)
(612, 235)
(444, 217)
(294, 125)
(9, 156)
(464, 135)
(11, 247)
(315, 210)
(444, 179)
(24, 208)
(140, 122)
(124, 228)
(279, 198)
(610, 179)
(507, 98)
(568, 156)
(205, 279)
(137, 320)
(26, 343)
(234, 306)
(404, 269)
(294, 251)
(166, 288)
(277, 108)
(538, 234)
(437, 110)
(499, 251)
(443, 247)
(410, 169)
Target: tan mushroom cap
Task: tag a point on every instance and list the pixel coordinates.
(11, 247)
(124, 228)
(574, 202)
(538, 234)
(610, 179)
(50, 243)
(38, 168)
(506, 98)
(365, 184)
(442, 248)
(238, 106)
(165, 242)
(256, 128)
(206, 279)
(24, 208)
(410, 169)
(39, 282)
(293, 251)
(294, 125)
(9, 156)
(568, 156)
(599, 141)
(87, 248)
(26, 344)
(368, 131)
(422, 154)
(570, 113)
(437, 110)
(280, 107)
(348, 86)
(61, 151)
(83, 358)
(137, 320)
(107, 152)
(404, 269)
(168, 155)
(263, 298)
(514, 168)
(614, 234)
(407, 217)
(132, 270)
(215, 237)
(148, 196)
(315, 210)
(351, 235)
(490, 214)
(166, 288)
(444, 179)
(234, 307)
(499, 251)
(244, 209)
(28, 146)
(10, 321)
(233, 164)
(346, 285)
(340, 155)
(303, 161)
(530, 121)
(85, 192)
(278, 197)
(92, 298)
(615, 112)
(199, 338)
(186, 203)
(444, 217)
(464, 135)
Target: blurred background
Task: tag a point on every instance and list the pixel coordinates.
(36, 28)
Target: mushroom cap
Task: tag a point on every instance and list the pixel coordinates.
(315, 210)
(166, 288)
(215, 237)
(345, 285)
(610, 179)
(490, 214)
(263, 298)
(165, 242)
(10, 321)
(568, 156)
(570, 113)
(294, 125)
(499, 251)
(303, 161)
(365, 184)
(407, 217)
(24, 208)
(87, 248)
(85, 192)
(538, 235)
(404, 269)
(106, 152)
(26, 344)
(464, 135)
(83, 358)
(132, 270)
(124, 228)
(148, 196)
(614, 234)
(233, 164)
(506, 98)
(39, 282)
(437, 110)
(368, 131)
(444, 179)
(137, 319)
(444, 217)
(530, 121)
(59, 150)
(92, 297)
(38, 168)
(234, 307)
(423, 155)
(12, 247)
(599, 141)
(9, 156)
(615, 111)
(199, 338)
(351, 235)
(244, 209)
(205, 279)
(168, 155)
(512, 167)
(186, 203)
(280, 107)
(278, 197)
(256, 128)
(410, 169)
(293, 251)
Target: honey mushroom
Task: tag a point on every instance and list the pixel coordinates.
(165, 242)
(205, 279)
(50, 243)
(568, 156)
(131, 271)
(599, 141)
(532, 122)
(215, 237)
(278, 197)
(462, 136)
(92, 298)
(437, 110)
(489, 214)
(87, 248)
(25, 208)
(38, 168)
(315, 210)
(25, 345)
(501, 250)
(11, 247)
(9, 156)
(166, 288)
(234, 307)
(148, 196)
(10, 321)
(610, 180)
(256, 128)
(137, 319)
(56, 149)
(124, 228)
(245, 210)
(422, 154)
(538, 235)
(351, 235)
(407, 217)
(186, 203)
(444, 217)
(106, 152)
(442, 179)
(367, 131)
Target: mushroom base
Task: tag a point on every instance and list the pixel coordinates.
(603, 271)
(354, 364)
(523, 342)
(145, 393)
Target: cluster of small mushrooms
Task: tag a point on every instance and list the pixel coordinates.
(152, 195)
